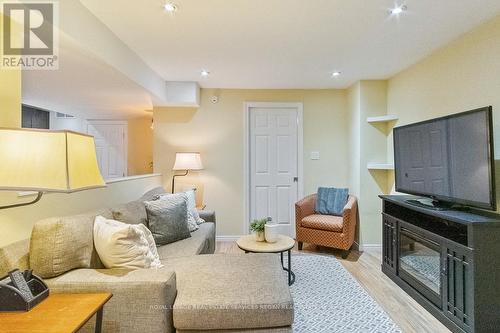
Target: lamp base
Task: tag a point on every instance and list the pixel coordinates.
(173, 180)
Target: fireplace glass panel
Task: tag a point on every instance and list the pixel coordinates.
(420, 259)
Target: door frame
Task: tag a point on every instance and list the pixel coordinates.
(114, 122)
(299, 106)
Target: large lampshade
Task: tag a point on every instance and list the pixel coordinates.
(48, 161)
(187, 161)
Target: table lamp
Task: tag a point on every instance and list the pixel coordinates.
(47, 161)
(186, 162)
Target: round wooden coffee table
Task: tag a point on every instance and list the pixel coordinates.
(283, 244)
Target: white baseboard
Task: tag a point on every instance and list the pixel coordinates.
(363, 247)
(226, 238)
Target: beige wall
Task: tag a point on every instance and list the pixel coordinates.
(10, 95)
(16, 223)
(461, 76)
(354, 120)
(140, 146)
(10, 98)
(368, 144)
(216, 130)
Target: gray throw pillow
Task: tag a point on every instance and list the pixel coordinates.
(167, 219)
(192, 221)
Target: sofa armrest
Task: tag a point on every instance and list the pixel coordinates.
(142, 299)
(304, 207)
(207, 215)
(350, 216)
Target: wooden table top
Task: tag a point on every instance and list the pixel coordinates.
(248, 243)
(58, 313)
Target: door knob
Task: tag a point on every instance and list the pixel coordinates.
(295, 179)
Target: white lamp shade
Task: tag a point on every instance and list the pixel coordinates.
(187, 161)
(48, 161)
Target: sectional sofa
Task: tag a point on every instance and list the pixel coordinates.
(195, 291)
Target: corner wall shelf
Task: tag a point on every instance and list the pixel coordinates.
(380, 166)
(381, 119)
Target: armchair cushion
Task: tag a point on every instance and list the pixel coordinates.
(323, 222)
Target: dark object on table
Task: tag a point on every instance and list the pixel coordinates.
(18, 282)
(21, 291)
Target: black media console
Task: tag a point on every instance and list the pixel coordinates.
(447, 260)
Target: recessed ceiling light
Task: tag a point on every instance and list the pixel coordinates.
(205, 73)
(170, 7)
(336, 74)
(398, 10)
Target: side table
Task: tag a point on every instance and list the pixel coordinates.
(58, 313)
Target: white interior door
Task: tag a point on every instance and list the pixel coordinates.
(111, 147)
(274, 166)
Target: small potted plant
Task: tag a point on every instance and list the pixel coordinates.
(258, 227)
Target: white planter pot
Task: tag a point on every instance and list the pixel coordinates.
(271, 232)
(259, 236)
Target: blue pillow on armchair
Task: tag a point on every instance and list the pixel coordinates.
(331, 200)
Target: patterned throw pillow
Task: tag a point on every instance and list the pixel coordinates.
(168, 219)
(192, 207)
(192, 213)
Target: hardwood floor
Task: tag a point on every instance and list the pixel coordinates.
(365, 267)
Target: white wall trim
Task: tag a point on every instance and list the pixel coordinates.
(364, 247)
(125, 179)
(111, 181)
(246, 151)
(227, 238)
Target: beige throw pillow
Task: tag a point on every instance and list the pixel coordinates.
(122, 245)
(60, 244)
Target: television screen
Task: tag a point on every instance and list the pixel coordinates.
(449, 159)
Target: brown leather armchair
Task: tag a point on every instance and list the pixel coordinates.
(326, 230)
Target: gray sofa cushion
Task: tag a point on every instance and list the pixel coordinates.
(207, 215)
(152, 194)
(134, 212)
(224, 291)
(14, 255)
(167, 219)
(202, 241)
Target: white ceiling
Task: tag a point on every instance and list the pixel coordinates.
(287, 43)
(84, 86)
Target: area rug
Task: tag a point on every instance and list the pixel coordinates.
(328, 299)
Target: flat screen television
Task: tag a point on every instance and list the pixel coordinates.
(448, 159)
